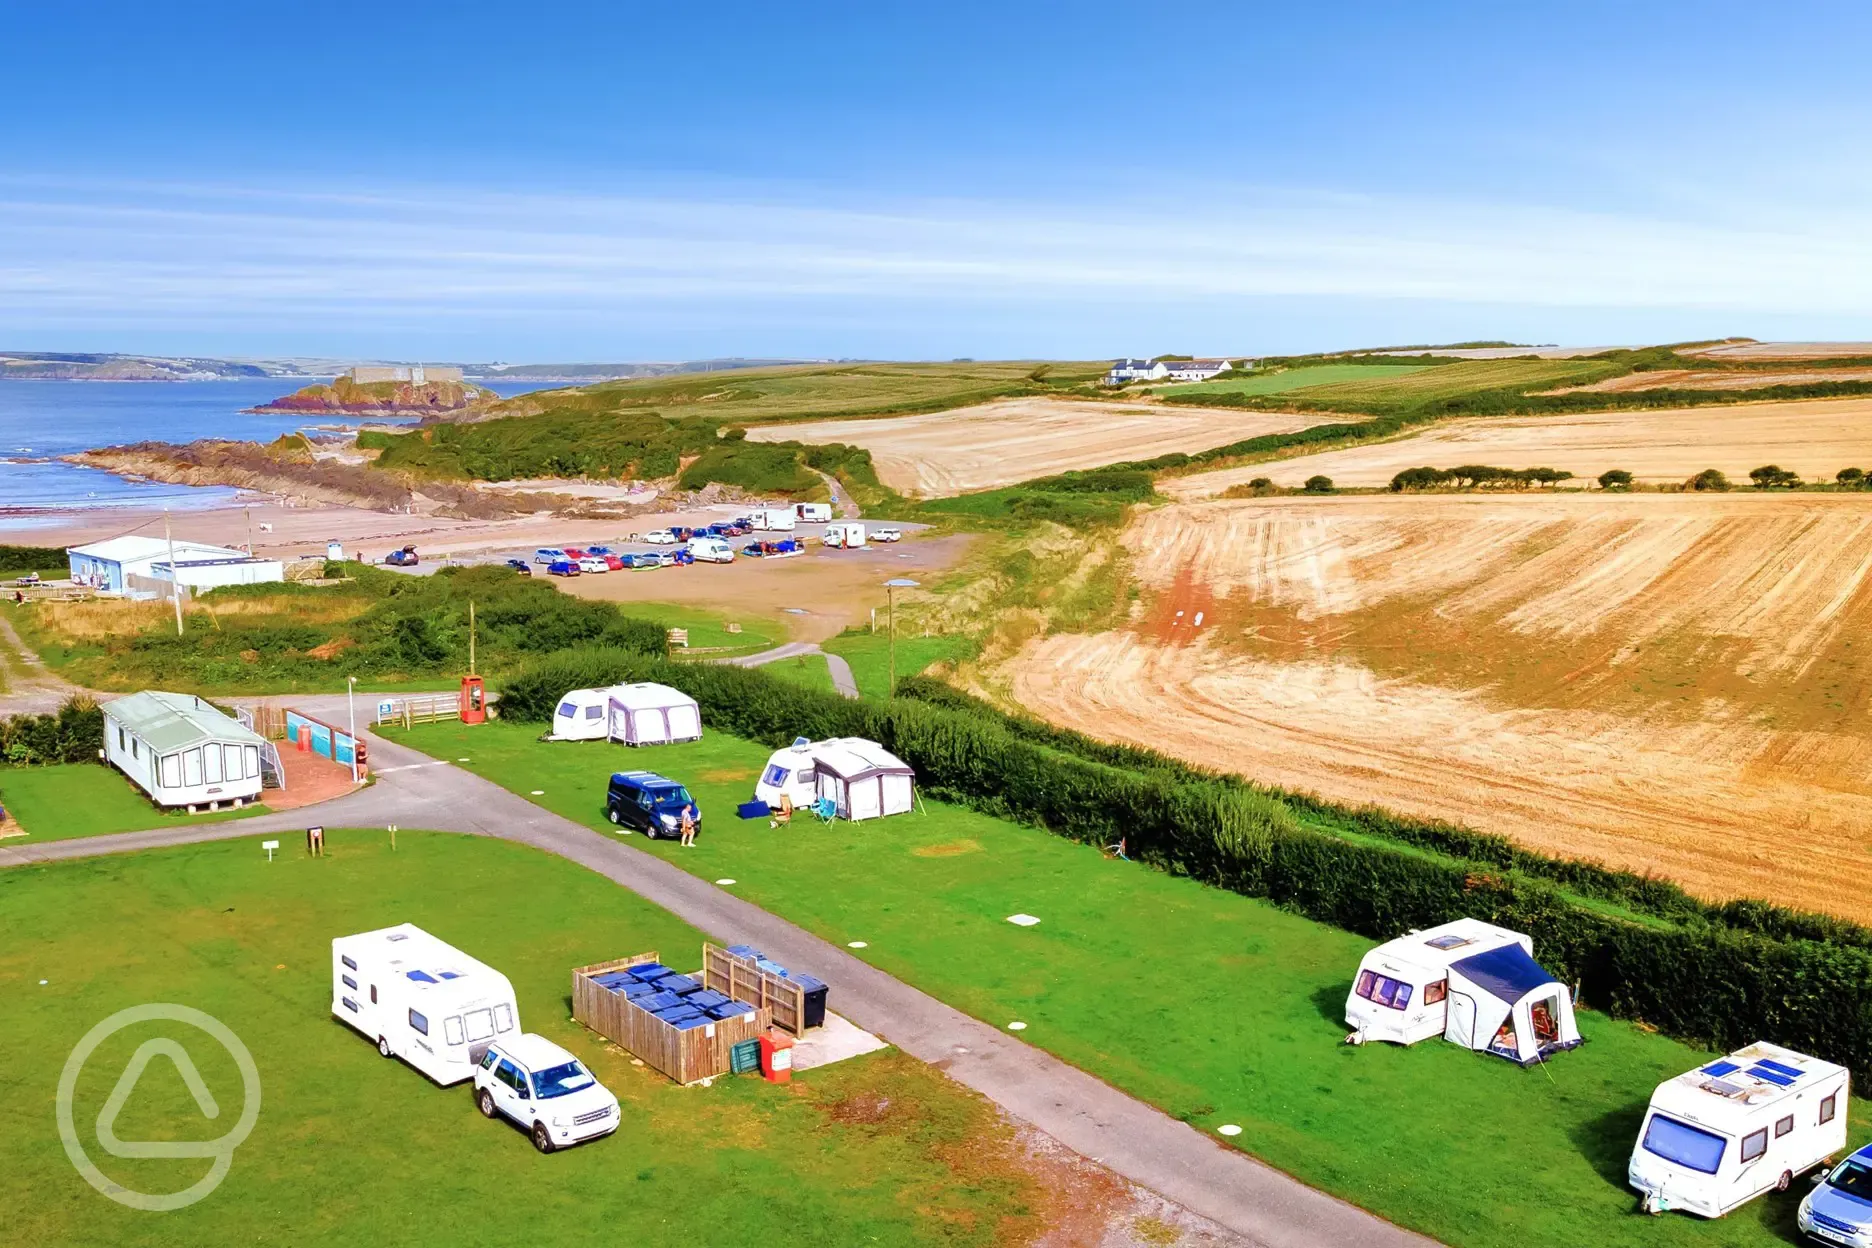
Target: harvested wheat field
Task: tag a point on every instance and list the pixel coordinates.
(1000, 443)
(1712, 379)
(1815, 438)
(1670, 683)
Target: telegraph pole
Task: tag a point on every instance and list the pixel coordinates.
(175, 574)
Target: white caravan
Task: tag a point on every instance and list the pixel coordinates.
(421, 1000)
(845, 536)
(1401, 993)
(544, 1089)
(1723, 1134)
(790, 773)
(774, 519)
(582, 715)
(813, 513)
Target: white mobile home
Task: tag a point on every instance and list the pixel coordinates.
(652, 714)
(863, 779)
(791, 773)
(181, 751)
(1470, 982)
(1723, 1134)
(421, 1000)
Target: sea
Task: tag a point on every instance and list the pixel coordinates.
(43, 420)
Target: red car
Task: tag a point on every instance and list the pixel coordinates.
(613, 562)
(573, 552)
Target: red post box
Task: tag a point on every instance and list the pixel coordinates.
(776, 1057)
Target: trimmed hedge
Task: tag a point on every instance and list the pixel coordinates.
(1717, 975)
(73, 734)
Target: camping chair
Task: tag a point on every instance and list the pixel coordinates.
(1117, 851)
(826, 809)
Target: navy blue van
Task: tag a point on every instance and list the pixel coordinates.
(649, 803)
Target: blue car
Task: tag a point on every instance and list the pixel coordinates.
(562, 567)
(600, 551)
(1839, 1209)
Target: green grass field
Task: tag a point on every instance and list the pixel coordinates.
(806, 670)
(869, 656)
(1416, 388)
(1295, 378)
(69, 800)
(708, 630)
(1216, 1007)
(351, 1149)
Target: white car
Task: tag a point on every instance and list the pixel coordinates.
(592, 563)
(546, 1090)
(887, 535)
(660, 537)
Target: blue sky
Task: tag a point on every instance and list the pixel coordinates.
(626, 181)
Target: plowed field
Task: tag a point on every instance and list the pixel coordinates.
(1666, 683)
(1815, 438)
(995, 444)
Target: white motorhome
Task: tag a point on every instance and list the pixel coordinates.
(421, 1000)
(1719, 1136)
(1470, 982)
(813, 513)
(845, 536)
(774, 519)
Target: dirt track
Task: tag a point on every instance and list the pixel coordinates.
(994, 444)
(1663, 682)
(1815, 438)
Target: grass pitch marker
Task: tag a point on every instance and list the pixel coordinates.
(855, 944)
(1022, 920)
(1228, 1128)
(1017, 1026)
(724, 882)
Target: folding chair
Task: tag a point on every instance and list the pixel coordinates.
(826, 809)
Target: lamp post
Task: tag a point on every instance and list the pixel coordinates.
(351, 706)
(890, 588)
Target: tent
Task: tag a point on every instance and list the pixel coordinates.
(652, 714)
(863, 779)
(791, 773)
(582, 715)
(1503, 1002)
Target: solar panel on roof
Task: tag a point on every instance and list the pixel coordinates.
(1719, 1069)
(1792, 1072)
(1772, 1076)
(421, 977)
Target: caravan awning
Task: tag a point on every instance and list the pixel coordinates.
(1507, 974)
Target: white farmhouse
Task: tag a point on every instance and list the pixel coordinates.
(141, 564)
(181, 751)
(1123, 371)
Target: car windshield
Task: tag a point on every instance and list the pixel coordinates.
(1684, 1144)
(677, 796)
(1852, 1177)
(559, 1080)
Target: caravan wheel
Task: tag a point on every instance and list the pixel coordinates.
(383, 1046)
(1786, 1179)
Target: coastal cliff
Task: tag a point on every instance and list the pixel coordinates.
(345, 397)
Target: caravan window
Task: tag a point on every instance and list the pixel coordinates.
(452, 1028)
(1754, 1144)
(419, 1022)
(1784, 1126)
(503, 1018)
(1684, 1144)
(480, 1024)
(231, 759)
(1433, 993)
(253, 760)
(776, 776)
(594, 712)
(567, 710)
(120, 738)
(349, 982)
(1383, 990)
(191, 768)
(211, 764)
(1827, 1107)
(171, 772)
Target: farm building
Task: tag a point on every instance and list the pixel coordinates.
(135, 565)
(1123, 371)
(181, 751)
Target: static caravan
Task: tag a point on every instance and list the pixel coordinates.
(863, 779)
(1470, 982)
(652, 714)
(421, 1000)
(813, 513)
(791, 773)
(182, 751)
(582, 715)
(774, 519)
(1719, 1136)
(845, 536)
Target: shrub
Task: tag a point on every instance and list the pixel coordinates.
(1708, 479)
(1615, 479)
(1318, 485)
(73, 734)
(31, 558)
(736, 434)
(1420, 479)
(1261, 483)
(1773, 476)
(1852, 478)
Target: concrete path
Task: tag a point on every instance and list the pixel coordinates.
(1138, 1142)
(842, 679)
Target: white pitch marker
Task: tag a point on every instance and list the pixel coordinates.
(1228, 1128)
(724, 883)
(856, 944)
(1022, 920)
(1017, 1026)
(539, 792)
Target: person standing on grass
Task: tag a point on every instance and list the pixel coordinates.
(688, 825)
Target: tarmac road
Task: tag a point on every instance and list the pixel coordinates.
(1260, 1204)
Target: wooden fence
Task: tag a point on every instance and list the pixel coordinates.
(685, 1056)
(420, 708)
(741, 979)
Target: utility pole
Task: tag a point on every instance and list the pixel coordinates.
(891, 587)
(175, 574)
(351, 703)
(248, 511)
(471, 670)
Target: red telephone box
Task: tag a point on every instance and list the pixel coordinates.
(473, 701)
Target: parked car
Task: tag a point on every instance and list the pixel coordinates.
(887, 535)
(520, 567)
(562, 567)
(681, 557)
(576, 552)
(615, 562)
(660, 537)
(650, 803)
(405, 558)
(711, 550)
(545, 1090)
(1839, 1209)
(548, 554)
(593, 563)
(600, 551)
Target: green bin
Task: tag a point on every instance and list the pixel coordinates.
(744, 1058)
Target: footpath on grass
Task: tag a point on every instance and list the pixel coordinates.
(1087, 1115)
